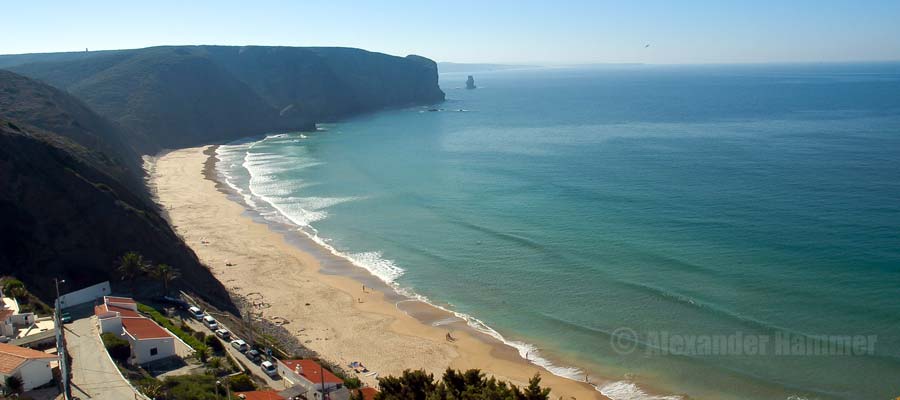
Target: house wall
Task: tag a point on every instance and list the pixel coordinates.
(35, 373)
(26, 319)
(7, 328)
(88, 294)
(110, 324)
(130, 306)
(140, 349)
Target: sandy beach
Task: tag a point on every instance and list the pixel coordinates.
(329, 313)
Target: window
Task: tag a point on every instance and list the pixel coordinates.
(153, 351)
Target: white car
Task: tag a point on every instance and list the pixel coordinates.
(240, 345)
(223, 333)
(268, 368)
(196, 312)
(210, 322)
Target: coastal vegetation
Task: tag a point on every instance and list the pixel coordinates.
(118, 348)
(456, 385)
(28, 302)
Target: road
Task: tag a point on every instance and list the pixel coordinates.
(277, 383)
(94, 376)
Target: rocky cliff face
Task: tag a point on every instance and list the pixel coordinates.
(166, 97)
(68, 210)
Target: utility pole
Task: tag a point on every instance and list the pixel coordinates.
(61, 343)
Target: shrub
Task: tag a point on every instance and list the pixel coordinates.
(200, 336)
(118, 348)
(213, 343)
(14, 288)
(14, 384)
(457, 384)
(199, 387)
(352, 383)
(241, 383)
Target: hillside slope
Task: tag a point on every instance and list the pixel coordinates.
(69, 211)
(167, 97)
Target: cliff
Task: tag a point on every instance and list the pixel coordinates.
(167, 97)
(69, 206)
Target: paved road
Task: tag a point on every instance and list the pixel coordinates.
(94, 376)
(276, 384)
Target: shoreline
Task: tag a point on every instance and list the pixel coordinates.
(320, 294)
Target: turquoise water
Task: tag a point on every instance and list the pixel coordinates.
(581, 213)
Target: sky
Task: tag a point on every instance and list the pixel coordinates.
(500, 31)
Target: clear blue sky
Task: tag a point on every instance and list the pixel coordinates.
(715, 31)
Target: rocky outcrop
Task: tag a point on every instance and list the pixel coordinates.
(470, 83)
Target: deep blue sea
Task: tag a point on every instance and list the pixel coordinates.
(619, 219)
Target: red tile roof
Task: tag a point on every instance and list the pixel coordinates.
(143, 328)
(260, 395)
(107, 299)
(124, 312)
(11, 357)
(310, 370)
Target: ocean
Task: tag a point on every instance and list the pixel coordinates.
(723, 232)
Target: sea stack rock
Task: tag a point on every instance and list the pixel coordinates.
(470, 83)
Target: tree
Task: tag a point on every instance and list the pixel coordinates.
(455, 385)
(166, 275)
(14, 384)
(131, 266)
(241, 383)
(14, 288)
(533, 391)
(213, 343)
(119, 349)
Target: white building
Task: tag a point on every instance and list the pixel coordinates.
(309, 375)
(11, 319)
(31, 366)
(149, 341)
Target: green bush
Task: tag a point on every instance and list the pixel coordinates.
(167, 323)
(119, 349)
(352, 383)
(200, 336)
(241, 383)
(198, 387)
(13, 384)
(213, 343)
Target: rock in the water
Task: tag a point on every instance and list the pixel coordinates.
(470, 83)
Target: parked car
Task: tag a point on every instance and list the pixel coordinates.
(223, 333)
(65, 317)
(254, 355)
(269, 368)
(196, 313)
(210, 323)
(174, 302)
(240, 345)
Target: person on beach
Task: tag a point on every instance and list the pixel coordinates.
(450, 337)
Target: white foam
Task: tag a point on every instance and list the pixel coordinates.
(625, 390)
(303, 211)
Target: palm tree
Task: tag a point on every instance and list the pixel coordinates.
(166, 274)
(131, 266)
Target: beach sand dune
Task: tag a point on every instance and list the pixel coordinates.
(328, 313)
